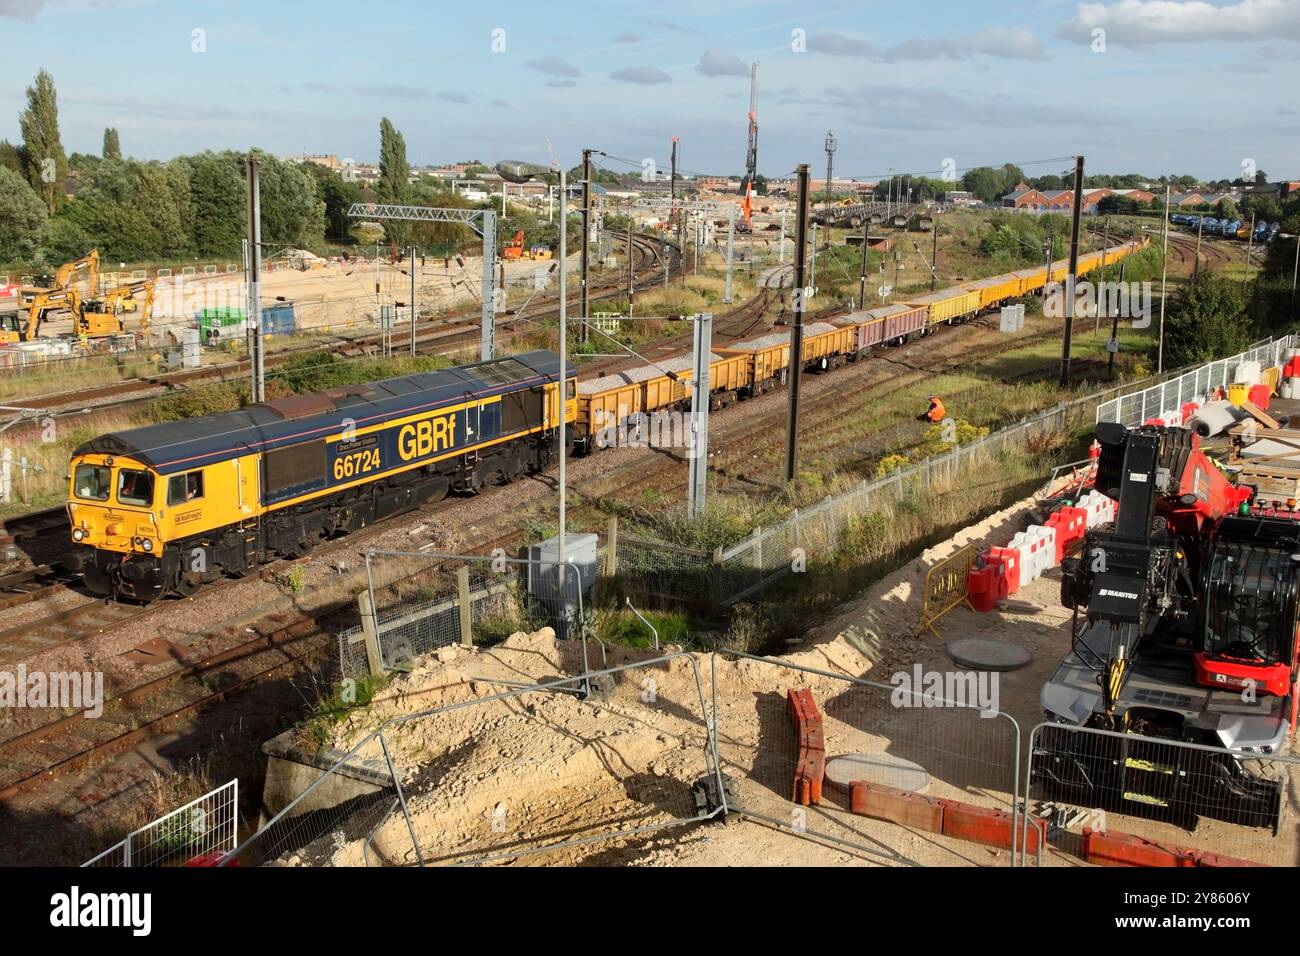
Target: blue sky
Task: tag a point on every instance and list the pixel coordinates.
(1179, 86)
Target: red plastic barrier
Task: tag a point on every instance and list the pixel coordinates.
(1190, 409)
(953, 818)
(1076, 523)
(1009, 562)
(1061, 525)
(982, 587)
(211, 858)
(1259, 396)
(1208, 859)
(811, 767)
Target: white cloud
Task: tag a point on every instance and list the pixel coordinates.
(553, 66)
(21, 9)
(721, 63)
(640, 74)
(1008, 43)
(1138, 22)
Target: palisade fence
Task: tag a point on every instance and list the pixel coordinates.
(208, 825)
(1192, 385)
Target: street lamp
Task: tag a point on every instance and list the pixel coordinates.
(517, 172)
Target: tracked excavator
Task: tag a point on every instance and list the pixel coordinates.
(1184, 629)
(94, 318)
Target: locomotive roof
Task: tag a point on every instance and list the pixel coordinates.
(195, 442)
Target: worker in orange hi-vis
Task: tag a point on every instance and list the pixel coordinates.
(936, 413)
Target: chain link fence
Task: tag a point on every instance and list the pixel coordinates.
(1188, 798)
(202, 828)
(893, 737)
(416, 603)
(654, 573)
(769, 553)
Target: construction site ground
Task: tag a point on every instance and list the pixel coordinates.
(486, 781)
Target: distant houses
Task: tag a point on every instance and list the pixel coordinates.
(1026, 198)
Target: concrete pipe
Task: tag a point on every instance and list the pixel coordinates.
(1213, 418)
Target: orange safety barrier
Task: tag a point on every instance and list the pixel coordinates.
(896, 806)
(1125, 849)
(810, 769)
(963, 821)
(1259, 396)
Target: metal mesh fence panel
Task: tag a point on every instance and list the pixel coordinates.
(336, 820)
(543, 769)
(652, 572)
(201, 827)
(1189, 799)
(419, 603)
(872, 733)
(1192, 385)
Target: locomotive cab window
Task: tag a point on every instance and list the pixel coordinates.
(134, 487)
(92, 482)
(521, 410)
(183, 488)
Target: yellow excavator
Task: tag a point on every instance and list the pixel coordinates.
(97, 318)
(92, 318)
(63, 279)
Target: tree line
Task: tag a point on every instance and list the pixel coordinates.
(188, 207)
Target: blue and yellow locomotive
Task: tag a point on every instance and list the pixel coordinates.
(167, 508)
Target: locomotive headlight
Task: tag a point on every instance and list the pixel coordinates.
(78, 534)
(147, 544)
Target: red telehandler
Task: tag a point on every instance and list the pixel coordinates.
(1184, 630)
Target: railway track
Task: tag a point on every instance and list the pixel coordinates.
(68, 743)
(441, 335)
(33, 525)
(30, 585)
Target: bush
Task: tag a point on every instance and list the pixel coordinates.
(1206, 320)
(890, 464)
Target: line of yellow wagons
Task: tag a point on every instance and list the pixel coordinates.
(743, 369)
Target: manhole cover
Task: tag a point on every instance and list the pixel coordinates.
(983, 654)
(876, 768)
